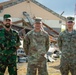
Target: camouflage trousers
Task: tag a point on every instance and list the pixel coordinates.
(67, 65)
(10, 62)
(41, 68)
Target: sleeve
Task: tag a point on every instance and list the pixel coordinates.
(1, 41)
(47, 43)
(0, 44)
(26, 43)
(18, 43)
(60, 41)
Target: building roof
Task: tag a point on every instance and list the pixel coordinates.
(14, 2)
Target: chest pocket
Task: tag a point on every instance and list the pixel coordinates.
(13, 40)
(39, 40)
(66, 40)
(10, 39)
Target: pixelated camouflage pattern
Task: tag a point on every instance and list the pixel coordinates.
(8, 42)
(67, 45)
(41, 68)
(36, 45)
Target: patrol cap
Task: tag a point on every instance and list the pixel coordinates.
(7, 16)
(38, 20)
(70, 19)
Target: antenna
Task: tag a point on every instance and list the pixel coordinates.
(62, 13)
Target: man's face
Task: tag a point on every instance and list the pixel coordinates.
(38, 26)
(70, 24)
(7, 23)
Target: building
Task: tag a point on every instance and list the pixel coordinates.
(34, 9)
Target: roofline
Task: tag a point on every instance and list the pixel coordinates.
(2, 3)
(37, 3)
(12, 3)
(49, 10)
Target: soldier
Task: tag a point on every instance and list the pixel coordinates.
(9, 43)
(36, 45)
(67, 45)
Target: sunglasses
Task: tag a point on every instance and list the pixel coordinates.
(70, 21)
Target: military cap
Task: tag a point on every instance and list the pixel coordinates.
(7, 16)
(70, 19)
(38, 20)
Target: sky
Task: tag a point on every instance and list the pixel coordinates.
(3, 0)
(58, 6)
(68, 6)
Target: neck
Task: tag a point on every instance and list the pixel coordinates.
(37, 30)
(70, 30)
(8, 29)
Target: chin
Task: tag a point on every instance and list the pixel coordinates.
(38, 28)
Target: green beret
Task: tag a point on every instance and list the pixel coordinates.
(70, 18)
(38, 20)
(7, 16)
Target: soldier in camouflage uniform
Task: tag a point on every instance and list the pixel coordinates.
(67, 45)
(36, 45)
(9, 42)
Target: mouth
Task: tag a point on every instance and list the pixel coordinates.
(7, 25)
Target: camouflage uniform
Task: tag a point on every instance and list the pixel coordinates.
(67, 45)
(8, 42)
(36, 45)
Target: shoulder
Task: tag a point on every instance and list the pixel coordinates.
(45, 33)
(14, 31)
(30, 32)
(62, 33)
(1, 30)
(75, 31)
(28, 35)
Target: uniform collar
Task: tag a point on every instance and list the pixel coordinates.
(8, 31)
(71, 32)
(35, 33)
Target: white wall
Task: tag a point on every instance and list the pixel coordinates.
(53, 23)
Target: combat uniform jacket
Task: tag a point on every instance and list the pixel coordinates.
(8, 42)
(36, 45)
(67, 43)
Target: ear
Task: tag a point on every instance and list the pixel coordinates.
(42, 23)
(66, 23)
(11, 23)
(4, 22)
